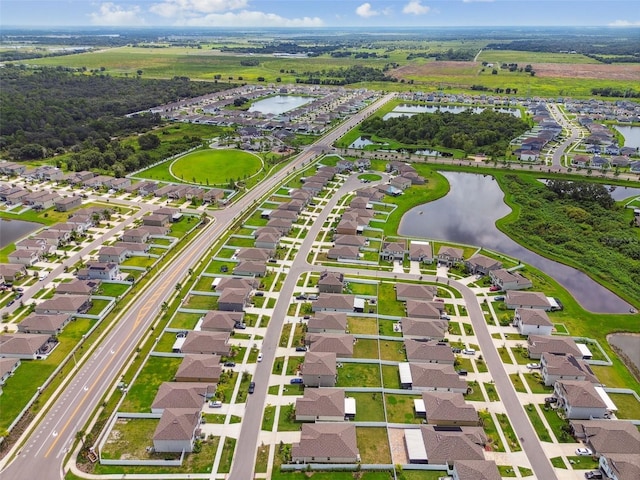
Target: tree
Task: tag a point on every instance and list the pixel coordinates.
(148, 141)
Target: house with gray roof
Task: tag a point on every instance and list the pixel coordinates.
(564, 367)
(431, 377)
(69, 304)
(7, 368)
(321, 405)
(423, 329)
(475, 470)
(533, 321)
(428, 352)
(339, 343)
(199, 368)
(331, 282)
(482, 264)
(607, 436)
(319, 369)
(333, 302)
(47, 324)
(539, 344)
(176, 431)
(327, 322)
(343, 252)
(579, 399)
(233, 299)
(516, 299)
(429, 310)
(220, 321)
(420, 252)
(206, 343)
(450, 256)
(445, 446)
(326, 443)
(182, 395)
(413, 291)
(618, 466)
(27, 346)
(251, 268)
(446, 409)
(255, 254)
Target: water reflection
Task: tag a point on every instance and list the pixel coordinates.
(279, 104)
(467, 214)
(13, 230)
(406, 110)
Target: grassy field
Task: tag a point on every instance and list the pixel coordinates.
(215, 167)
(155, 371)
(373, 445)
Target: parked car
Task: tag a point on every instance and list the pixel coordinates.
(583, 452)
(551, 400)
(498, 298)
(229, 364)
(301, 348)
(240, 326)
(215, 404)
(533, 366)
(301, 297)
(456, 350)
(469, 351)
(593, 474)
(10, 302)
(19, 289)
(462, 373)
(494, 288)
(445, 317)
(296, 380)
(260, 357)
(252, 387)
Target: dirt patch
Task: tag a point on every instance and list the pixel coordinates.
(594, 71)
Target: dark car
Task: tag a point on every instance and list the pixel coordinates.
(252, 387)
(10, 302)
(551, 400)
(301, 348)
(462, 373)
(229, 364)
(296, 380)
(455, 350)
(593, 474)
(240, 326)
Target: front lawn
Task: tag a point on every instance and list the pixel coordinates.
(536, 384)
(559, 426)
(538, 425)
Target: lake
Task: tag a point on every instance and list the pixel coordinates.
(629, 343)
(13, 230)
(279, 104)
(406, 110)
(631, 135)
(467, 214)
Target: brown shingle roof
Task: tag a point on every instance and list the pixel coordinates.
(445, 446)
(321, 402)
(326, 440)
(448, 407)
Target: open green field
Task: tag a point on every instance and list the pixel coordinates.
(215, 167)
(523, 58)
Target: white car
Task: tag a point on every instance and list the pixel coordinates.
(583, 452)
(260, 357)
(533, 366)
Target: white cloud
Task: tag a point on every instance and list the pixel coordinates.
(247, 18)
(414, 7)
(624, 23)
(110, 14)
(180, 8)
(477, 1)
(365, 10)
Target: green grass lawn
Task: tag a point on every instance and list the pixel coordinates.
(583, 463)
(536, 384)
(392, 350)
(476, 394)
(112, 289)
(97, 306)
(517, 382)
(366, 348)
(508, 432)
(491, 431)
(373, 445)
(201, 302)
(504, 355)
(400, 408)
(131, 437)
(364, 325)
(491, 392)
(185, 321)
(558, 462)
(390, 376)
(387, 303)
(369, 406)
(359, 375)
(262, 458)
(454, 329)
(559, 426)
(156, 370)
(287, 420)
(215, 167)
(268, 418)
(293, 364)
(227, 455)
(536, 421)
(628, 406)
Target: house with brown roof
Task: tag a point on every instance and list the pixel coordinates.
(445, 446)
(393, 251)
(450, 256)
(481, 264)
(333, 302)
(27, 346)
(113, 254)
(429, 310)
(99, 271)
(66, 204)
(350, 240)
(135, 235)
(133, 248)
(539, 344)
(69, 304)
(431, 377)
(420, 252)
(233, 299)
(182, 395)
(11, 272)
(579, 399)
(326, 443)
(400, 182)
(412, 291)
(319, 369)
(607, 436)
(515, 299)
(343, 252)
(24, 257)
(156, 220)
(347, 227)
(242, 283)
(423, 329)
(564, 367)
(176, 431)
(428, 352)
(47, 324)
(533, 321)
(220, 321)
(284, 214)
(255, 254)
(446, 409)
(327, 322)
(321, 405)
(507, 280)
(330, 282)
(475, 470)
(339, 343)
(7, 368)
(206, 343)
(268, 241)
(618, 466)
(199, 368)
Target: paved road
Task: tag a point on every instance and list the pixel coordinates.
(46, 445)
(566, 124)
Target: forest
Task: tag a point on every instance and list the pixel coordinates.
(487, 132)
(577, 223)
(48, 111)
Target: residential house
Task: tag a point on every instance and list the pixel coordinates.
(421, 329)
(446, 409)
(78, 287)
(12, 272)
(330, 302)
(428, 352)
(393, 251)
(319, 369)
(431, 377)
(69, 304)
(255, 254)
(135, 235)
(113, 254)
(433, 445)
(339, 343)
(475, 470)
(539, 344)
(27, 346)
(282, 225)
(516, 299)
(579, 399)
(331, 282)
(607, 436)
(66, 204)
(449, 256)
(400, 182)
(47, 324)
(284, 214)
(199, 368)
(507, 280)
(321, 405)
(7, 368)
(618, 466)
(343, 252)
(564, 367)
(420, 252)
(250, 268)
(429, 310)
(176, 431)
(326, 443)
(533, 321)
(357, 241)
(268, 241)
(205, 343)
(412, 291)
(220, 321)
(24, 257)
(181, 395)
(347, 227)
(156, 220)
(481, 264)
(327, 322)
(233, 299)
(99, 271)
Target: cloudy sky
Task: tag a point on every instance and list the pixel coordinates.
(319, 13)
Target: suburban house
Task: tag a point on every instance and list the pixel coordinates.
(515, 299)
(606, 436)
(47, 324)
(618, 466)
(400, 182)
(532, 321)
(446, 409)
(255, 254)
(181, 395)
(579, 399)
(327, 322)
(69, 304)
(199, 368)
(393, 251)
(449, 256)
(113, 254)
(333, 302)
(357, 241)
(321, 405)
(564, 367)
(268, 241)
(347, 227)
(243, 283)
(282, 225)
(204, 343)
(421, 329)
(431, 377)
(135, 235)
(24, 257)
(99, 271)
(539, 344)
(343, 252)
(66, 204)
(339, 343)
(251, 268)
(319, 369)
(7, 367)
(420, 252)
(220, 321)
(233, 299)
(412, 291)
(475, 470)
(330, 282)
(176, 430)
(326, 443)
(428, 352)
(436, 446)
(481, 264)
(27, 346)
(429, 310)
(12, 272)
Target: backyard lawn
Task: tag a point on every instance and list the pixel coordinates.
(373, 444)
(359, 375)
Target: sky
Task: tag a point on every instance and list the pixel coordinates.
(319, 13)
